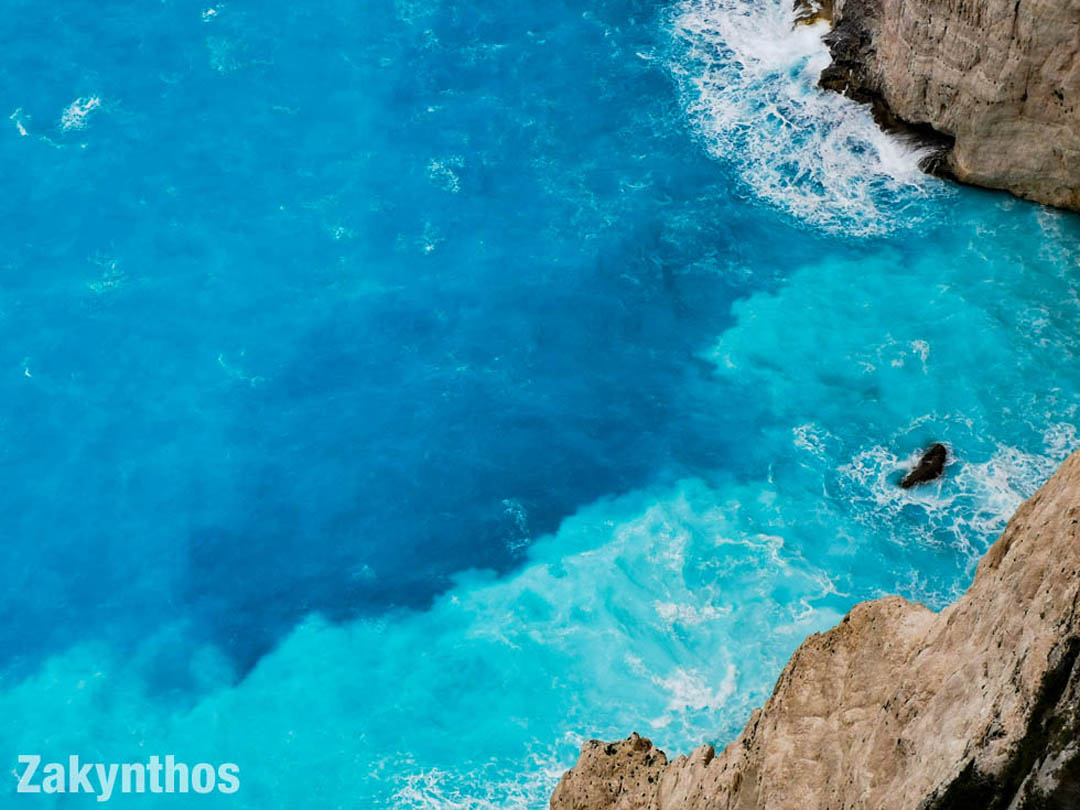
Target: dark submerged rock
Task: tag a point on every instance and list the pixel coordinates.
(930, 466)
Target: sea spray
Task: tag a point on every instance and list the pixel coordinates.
(747, 76)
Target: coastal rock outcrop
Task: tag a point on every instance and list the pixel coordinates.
(900, 708)
(993, 85)
(930, 467)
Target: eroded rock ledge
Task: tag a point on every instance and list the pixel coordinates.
(899, 708)
(994, 85)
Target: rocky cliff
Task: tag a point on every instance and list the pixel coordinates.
(993, 84)
(899, 708)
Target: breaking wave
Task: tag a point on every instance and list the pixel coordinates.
(747, 77)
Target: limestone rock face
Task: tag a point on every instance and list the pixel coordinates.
(899, 708)
(997, 81)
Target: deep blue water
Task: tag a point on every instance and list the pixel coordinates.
(397, 394)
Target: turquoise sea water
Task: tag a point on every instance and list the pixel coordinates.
(397, 394)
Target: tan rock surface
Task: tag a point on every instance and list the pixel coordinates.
(899, 708)
(1001, 77)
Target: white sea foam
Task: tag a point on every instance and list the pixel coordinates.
(692, 690)
(518, 537)
(972, 503)
(223, 54)
(17, 118)
(690, 615)
(1059, 247)
(443, 173)
(112, 275)
(436, 789)
(238, 373)
(75, 115)
(811, 438)
(748, 80)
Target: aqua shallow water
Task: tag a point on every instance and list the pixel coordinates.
(396, 395)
